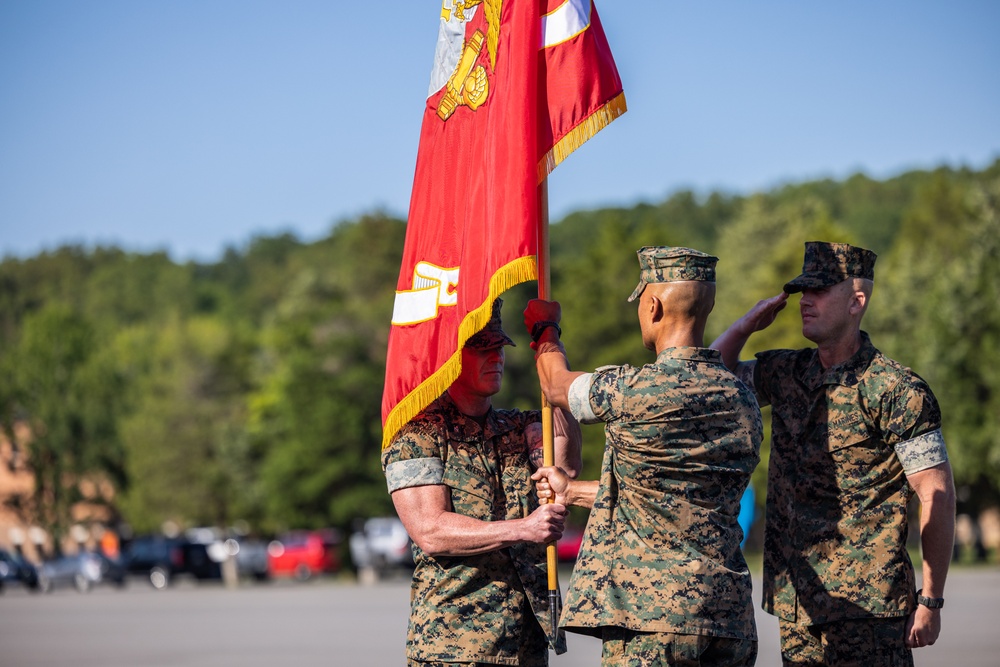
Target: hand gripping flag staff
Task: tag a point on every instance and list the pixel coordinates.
(516, 86)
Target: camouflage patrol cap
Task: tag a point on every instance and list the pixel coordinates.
(827, 264)
(492, 335)
(664, 264)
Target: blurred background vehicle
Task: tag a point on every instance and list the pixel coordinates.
(82, 571)
(304, 554)
(250, 554)
(568, 546)
(14, 569)
(160, 559)
(379, 545)
(251, 557)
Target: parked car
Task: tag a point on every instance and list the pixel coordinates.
(568, 545)
(82, 570)
(250, 554)
(381, 544)
(160, 559)
(304, 553)
(251, 557)
(16, 570)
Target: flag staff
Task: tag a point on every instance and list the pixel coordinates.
(548, 448)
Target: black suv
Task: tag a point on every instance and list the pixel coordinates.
(160, 559)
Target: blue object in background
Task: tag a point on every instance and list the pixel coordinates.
(748, 509)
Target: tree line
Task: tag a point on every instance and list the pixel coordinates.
(249, 389)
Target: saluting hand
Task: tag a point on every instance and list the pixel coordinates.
(762, 315)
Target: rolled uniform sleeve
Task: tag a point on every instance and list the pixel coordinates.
(579, 399)
(608, 395)
(413, 459)
(911, 422)
(415, 472)
(602, 396)
(922, 452)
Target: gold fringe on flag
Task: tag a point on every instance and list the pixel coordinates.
(521, 270)
(579, 135)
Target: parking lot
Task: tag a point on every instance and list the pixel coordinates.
(338, 622)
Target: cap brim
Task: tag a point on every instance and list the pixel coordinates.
(637, 291)
(811, 281)
(489, 341)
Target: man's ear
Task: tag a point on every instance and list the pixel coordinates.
(655, 308)
(859, 302)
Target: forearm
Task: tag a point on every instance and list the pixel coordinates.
(582, 492)
(567, 442)
(428, 516)
(730, 343)
(936, 491)
(761, 316)
(554, 373)
(937, 537)
(454, 534)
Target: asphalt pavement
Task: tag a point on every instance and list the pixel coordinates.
(339, 623)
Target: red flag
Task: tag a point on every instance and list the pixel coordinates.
(512, 93)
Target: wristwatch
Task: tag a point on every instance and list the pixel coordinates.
(931, 603)
(539, 327)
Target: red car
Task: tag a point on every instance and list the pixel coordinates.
(304, 554)
(568, 545)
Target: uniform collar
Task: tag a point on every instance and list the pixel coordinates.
(700, 354)
(467, 429)
(847, 374)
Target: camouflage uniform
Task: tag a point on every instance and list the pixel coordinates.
(842, 439)
(489, 608)
(661, 552)
(836, 569)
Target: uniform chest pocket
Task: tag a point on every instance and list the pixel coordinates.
(859, 458)
(472, 488)
(519, 490)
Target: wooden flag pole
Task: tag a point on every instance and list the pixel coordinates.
(548, 448)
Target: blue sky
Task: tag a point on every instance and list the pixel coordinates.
(192, 126)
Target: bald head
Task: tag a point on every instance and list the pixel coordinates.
(685, 300)
(674, 314)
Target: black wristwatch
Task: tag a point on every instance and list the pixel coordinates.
(931, 603)
(539, 327)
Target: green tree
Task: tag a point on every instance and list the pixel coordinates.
(316, 414)
(935, 307)
(66, 392)
(186, 452)
(187, 455)
(123, 289)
